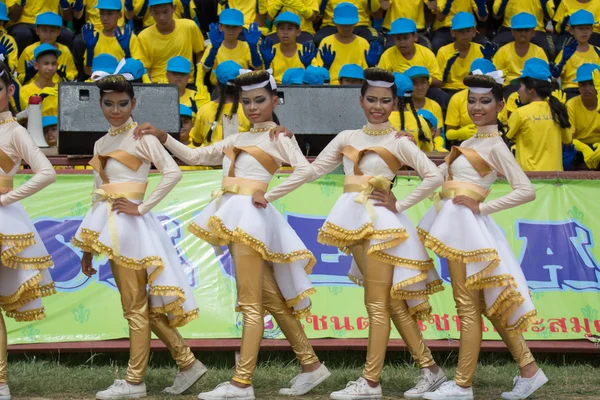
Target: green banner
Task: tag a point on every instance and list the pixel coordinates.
(553, 238)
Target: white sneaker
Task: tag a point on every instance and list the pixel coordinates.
(226, 390)
(121, 389)
(307, 381)
(357, 390)
(525, 387)
(185, 379)
(5, 393)
(450, 391)
(428, 382)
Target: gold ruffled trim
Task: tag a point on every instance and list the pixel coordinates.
(421, 265)
(25, 294)
(453, 254)
(300, 297)
(431, 288)
(184, 319)
(302, 313)
(522, 323)
(218, 229)
(422, 311)
(354, 279)
(81, 245)
(205, 235)
(17, 244)
(28, 316)
(334, 235)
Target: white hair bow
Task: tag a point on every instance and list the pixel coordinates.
(259, 85)
(97, 75)
(497, 75)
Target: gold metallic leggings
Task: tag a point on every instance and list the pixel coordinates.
(469, 306)
(136, 310)
(3, 345)
(378, 280)
(257, 291)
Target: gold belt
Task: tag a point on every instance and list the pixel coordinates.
(241, 186)
(111, 192)
(6, 184)
(365, 186)
(452, 189)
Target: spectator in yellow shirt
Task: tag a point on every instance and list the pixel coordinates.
(433, 123)
(186, 123)
(543, 10)
(363, 26)
(351, 75)
(411, 9)
(140, 9)
(455, 59)
(576, 52)
(178, 73)
(8, 45)
(225, 45)
(168, 38)
(583, 114)
(445, 10)
(46, 63)
(565, 9)
(345, 46)
(23, 15)
(47, 28)
(50, 127)
(541, 126)
(247, 7)
(307, 10)
(511, 57)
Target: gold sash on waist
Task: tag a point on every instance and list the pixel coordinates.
(241, 186)
(6, 184)
(365, 186)
(451, 189)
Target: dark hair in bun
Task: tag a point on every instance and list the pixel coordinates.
(378, 74)
(254, 77)
(487, 82)
(115, 83)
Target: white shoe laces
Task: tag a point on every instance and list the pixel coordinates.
(449, 386)
(522, 385)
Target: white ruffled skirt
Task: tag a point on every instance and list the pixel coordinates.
(24, 276)
(233, 218)
(393, 239)
(143, 243)
(457, 234)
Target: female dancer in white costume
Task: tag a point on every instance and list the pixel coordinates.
(155, 293)
(271, 262)
(368, 222)
(24, 262)
(486, 277)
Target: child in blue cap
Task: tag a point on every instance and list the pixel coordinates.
(143, 9)
(8, 45)
(445, 10)
(186, 123)
(564, 10)
(411, 9)
(293, 76)
(50, 127)
(361, 20)
(178, 73)
(315, 76)
(351, 74)
(46, 66)
(307, 11)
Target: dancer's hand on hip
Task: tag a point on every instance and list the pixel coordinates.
(258, 199)
(124, 206)
(468, 202)
(384, 199)
(86, 264)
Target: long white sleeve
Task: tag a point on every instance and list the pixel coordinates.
(209, 155)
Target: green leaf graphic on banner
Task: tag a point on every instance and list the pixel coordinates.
(280, 206)
(327, 185)
(538, 294)
(81, 314)
(30, 333)
(545, 333)
(335, 290)
(589, 313)
(576, 214)
(340, 333)
(79, 209)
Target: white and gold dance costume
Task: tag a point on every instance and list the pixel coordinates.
(271, 262)
(24, 263)
(485, 275)
(394, 267)
(140, 251)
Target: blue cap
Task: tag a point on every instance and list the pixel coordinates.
(428, 115)
(49, 121)
(231, 17)
(49, 18)
(3, 12)
(315, 75)
(523, 21)
(159, 2)
(582, 17)
(404, 86)
(352, 71)
(227, 71)
(116, 5)
(417, 71)
(134, 67)
(179, 64)
(585, 71)
(535, 68)
(485, 66)
(185, 111)
(45, 48)
(463, 20)
(345, 14)
(402, 26)
(287, 16)
(293, 76)
(105, 62)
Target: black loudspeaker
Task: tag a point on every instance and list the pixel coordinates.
(81, 122)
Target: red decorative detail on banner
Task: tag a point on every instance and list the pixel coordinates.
(338, 327)
(558, 324)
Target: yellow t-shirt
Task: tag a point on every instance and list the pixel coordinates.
(66, 58)
(568, 7)
(411, 126)
(281, 63)
(351, 53)
(49, 103)
(393, 60)
(240, 54)
(13, 57)
(364, 13)
(457, 6)
(92, 14)
(205, 118)
(507, 60)
(510, 107)
(202, 95)
(433, 107)
(305, 10)
(534, 7)
(411, 9)
(188, 99)
(586, 123)
(457, 114)
(577, 60)
(248, 8)
(539, 139)
(149, 20)
(32, 9)
(460, 68)
(186, 40)
(110, 45)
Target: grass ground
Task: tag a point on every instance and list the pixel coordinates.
(80, 376)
